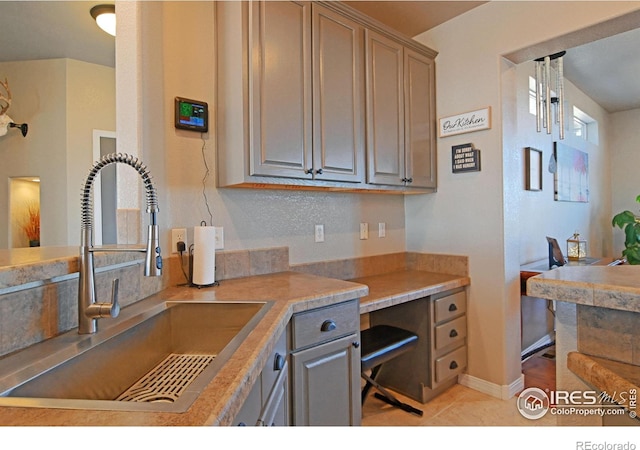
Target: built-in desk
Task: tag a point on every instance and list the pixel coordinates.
(431, 305)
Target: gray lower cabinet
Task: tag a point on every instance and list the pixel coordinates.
(441, 354)
(317, 381)
(268, 403)
(325, 359)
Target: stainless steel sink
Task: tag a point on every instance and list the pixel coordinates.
(158, 360)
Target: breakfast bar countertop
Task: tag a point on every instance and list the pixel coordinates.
(614, 287)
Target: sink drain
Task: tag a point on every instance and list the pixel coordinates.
(169, 379)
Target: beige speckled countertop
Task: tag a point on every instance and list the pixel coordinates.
(616, 287)
(400, 287)
(291, 292)
(221, 400)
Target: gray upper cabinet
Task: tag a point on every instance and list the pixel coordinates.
(281, 89)
(338, 101)
(385, 110)
(299, 106)
(420, 113)
(400, 114)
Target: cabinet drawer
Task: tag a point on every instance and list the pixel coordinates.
(450, 332)
(450, 306)
(325, 324)
(451, 364)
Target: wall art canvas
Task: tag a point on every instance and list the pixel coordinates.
(571, 177)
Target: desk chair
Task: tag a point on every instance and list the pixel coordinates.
(382, 343)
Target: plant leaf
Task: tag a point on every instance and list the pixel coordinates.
(623, 218)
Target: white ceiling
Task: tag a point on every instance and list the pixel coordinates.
(606, 69)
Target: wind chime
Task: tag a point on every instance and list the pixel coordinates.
(544, 98)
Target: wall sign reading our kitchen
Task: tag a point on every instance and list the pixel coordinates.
(479, 119)
(465, 158)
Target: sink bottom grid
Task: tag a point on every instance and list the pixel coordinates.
(169, 379)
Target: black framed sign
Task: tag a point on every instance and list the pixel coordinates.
(465, 158)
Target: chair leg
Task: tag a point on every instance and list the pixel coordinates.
(368, 385)
(387, 396)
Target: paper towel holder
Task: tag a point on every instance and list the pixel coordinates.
(191, 283)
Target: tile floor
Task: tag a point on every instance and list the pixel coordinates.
(462, 406)
(459, 406)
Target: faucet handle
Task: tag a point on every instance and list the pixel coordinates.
(97, 310)
(114, 308)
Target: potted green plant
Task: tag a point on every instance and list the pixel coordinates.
(630, 224)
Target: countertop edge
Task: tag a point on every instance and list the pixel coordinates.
(607, 376)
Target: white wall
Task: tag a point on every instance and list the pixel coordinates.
(625, 142)
(251, 219)
(538, 215)
(478, 214)
(39, 99)
(61, 100)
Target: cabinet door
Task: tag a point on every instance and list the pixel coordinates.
(419, 101)
(280, 89)
(385, 110)
(338, 102)
(326, 384)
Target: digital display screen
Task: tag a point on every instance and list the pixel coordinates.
(191, 114)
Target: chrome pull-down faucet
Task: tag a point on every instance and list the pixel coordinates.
(89, 309)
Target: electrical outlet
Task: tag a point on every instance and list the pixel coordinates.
(382, 229)
(319, 234)
(219, 238)
(364, 230)
(177, 235)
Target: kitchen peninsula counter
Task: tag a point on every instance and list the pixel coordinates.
(597, 339)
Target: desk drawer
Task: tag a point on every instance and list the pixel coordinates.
(325, 324)
(451, 364)
(449, 307)
(450, 332)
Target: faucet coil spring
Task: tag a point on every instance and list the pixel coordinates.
(86, 209)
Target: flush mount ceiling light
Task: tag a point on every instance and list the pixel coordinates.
(105, 17)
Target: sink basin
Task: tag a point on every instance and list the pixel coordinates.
(159, 360)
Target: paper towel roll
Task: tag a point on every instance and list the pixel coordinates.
(204, 256)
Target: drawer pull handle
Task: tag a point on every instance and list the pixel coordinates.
(328, 325)
(453, 365)
(356, 344)
(453, 307)
(278, 362)
(453, 334)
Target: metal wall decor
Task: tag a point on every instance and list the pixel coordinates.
(544, 97)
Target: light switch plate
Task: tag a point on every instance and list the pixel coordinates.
(219, 238)
(319, 233)
(364, 230)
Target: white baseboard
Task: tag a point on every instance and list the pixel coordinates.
(544, 340)
(503, 392)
